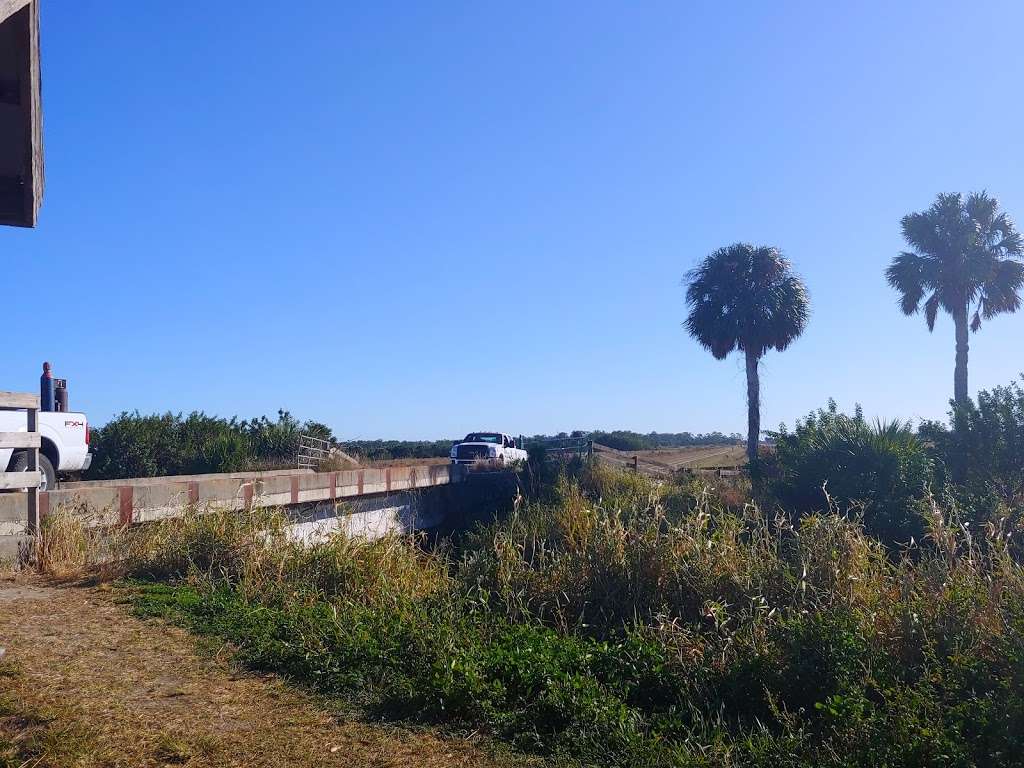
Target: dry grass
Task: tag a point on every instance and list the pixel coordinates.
(86, 685)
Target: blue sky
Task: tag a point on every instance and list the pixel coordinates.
(415, 220)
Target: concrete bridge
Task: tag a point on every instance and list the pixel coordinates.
(368, 501)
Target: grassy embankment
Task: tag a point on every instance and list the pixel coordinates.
(617, 621)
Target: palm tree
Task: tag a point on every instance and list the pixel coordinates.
(964, 256)
(746, 297)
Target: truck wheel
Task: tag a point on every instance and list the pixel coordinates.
(47, 477)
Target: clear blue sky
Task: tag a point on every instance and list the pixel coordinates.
(417, 219)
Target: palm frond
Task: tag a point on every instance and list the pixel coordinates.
(1001, 293)
(931, 309)
(963, 250)
(906, 275)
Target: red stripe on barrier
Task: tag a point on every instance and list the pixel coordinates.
(193, 492)
(43, 504)
(360, 482)
(387, 479)
(125, 497)
(334, 486)
(247, 495)
(295, 489)
(412, 477)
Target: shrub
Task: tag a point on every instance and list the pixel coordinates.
(882, 468)
(984, 450)
(133, 445)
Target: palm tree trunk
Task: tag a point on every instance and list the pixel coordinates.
(958, 462)
(960, 372)
(753, 413)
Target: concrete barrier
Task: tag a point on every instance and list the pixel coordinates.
(145, 500)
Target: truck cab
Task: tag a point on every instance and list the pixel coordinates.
(488, 448)
(63, 434)
(64, 445)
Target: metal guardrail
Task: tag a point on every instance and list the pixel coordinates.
(313, 451)
(580, 446)
(29, 441)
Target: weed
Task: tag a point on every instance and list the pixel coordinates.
(624, 621)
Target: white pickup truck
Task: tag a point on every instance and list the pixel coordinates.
(64, 438)
(488, 448)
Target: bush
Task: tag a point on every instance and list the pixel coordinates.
(984, 450)
(133, 445)
(882, 468)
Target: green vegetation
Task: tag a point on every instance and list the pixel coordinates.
(834, 459)
(132, 445)
(965, 256)
(746, 298)
(983, 446)
(384, 450)
(618, 621)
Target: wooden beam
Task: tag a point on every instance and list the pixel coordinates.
(11, 7)
(32, 418)
(18, 400)
(21, 121)
(19, 440)
(16, 480)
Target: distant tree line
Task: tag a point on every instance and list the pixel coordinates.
(137, 445)
(625, 440)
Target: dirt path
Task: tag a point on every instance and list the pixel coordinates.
(83, 683)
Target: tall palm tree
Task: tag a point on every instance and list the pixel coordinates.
(965, 255)
(746, 297)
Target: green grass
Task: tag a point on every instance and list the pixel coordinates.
(614, 621)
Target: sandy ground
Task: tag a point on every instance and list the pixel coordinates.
(84, 683)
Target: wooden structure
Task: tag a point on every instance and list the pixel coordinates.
(21, 114)
(13, 401)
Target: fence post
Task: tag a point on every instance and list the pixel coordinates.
(33, 526)
(29, 442)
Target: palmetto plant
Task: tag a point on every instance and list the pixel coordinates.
(965, 256)
(746, 297)
(881, 465)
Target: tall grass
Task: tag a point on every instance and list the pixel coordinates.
(626, 622)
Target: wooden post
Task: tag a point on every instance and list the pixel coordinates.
(636, 464)
(28, 441)
(21, 119)
(33, 466)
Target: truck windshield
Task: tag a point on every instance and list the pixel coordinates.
(482, 437)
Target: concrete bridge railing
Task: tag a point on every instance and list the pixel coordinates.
(129, 501)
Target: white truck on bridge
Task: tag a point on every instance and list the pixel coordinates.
(493, 448)
(64, 438)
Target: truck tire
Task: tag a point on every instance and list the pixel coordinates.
(48, 477)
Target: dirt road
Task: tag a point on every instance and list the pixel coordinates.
(83, 684)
